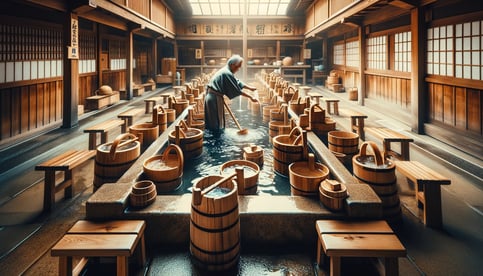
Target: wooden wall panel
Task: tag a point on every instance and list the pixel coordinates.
(390, 89)
(140, 6)
(448, 105)
(33, 122)
(321, 11)
(16, 111)
(170, 25)
(5, 106)
(115, 79)
(25, 109)
(474, 110)
(337, 5)
(460, 107)
(159, 13)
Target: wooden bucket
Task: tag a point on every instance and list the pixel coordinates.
(289, 148)
(279, 115)
(195, 123)
(276, 128)
(332, 194)
(114, 159)
(165, 170)
(250, 173)
(143, 193)
(190, 140)
(305, 176)
(352, 94)
(148, 133)
(316, 114)
(179, 105)
(303, 121)
(322, 128)
(215, 225)
(253, 153)
(298, 106)
(160, 117)
(380, 174)
(343, 142)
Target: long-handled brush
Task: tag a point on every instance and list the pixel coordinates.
(241, 130)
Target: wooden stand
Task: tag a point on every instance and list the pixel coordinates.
(65, 162)
(428, 189)
(389, 136)
(337, 239)
(101, 239)
(128, 116)
(332, 102)
(357, 123)
(103, 128)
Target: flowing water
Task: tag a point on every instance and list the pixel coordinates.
(227, 145)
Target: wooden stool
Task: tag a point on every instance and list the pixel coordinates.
(305, 90)
(357, 123)
(103, 128)
(428, 189)
(317, 96)
(389, 136)
(101, 239)
(65, 162)
(338, 239)
(332, 102)
(165, 97)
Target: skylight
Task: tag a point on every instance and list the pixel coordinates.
(236, 7)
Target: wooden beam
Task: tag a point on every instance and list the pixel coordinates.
(404, 4)
(105, 19)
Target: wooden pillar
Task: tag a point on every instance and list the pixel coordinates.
(71, 71)
(245, 39)
(361, 92)
(418, 93)
(154, 59)
(129, 63)
(325, 56)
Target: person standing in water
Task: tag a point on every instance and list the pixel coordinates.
(224, 83)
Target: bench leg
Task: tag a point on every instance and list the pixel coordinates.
(334, 266)
(92, 140)
(328, 107)
(320, 253)
(104, 137)
(405, 150)
(432, 206)
(336, 108)
(49, 190)
(68, 178)
(142, 252)
(391, 266)
(122, 266)
(360, 128)
(65, 266)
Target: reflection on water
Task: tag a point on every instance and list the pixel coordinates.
(226, 145)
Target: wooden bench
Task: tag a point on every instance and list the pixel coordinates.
(128, 116)
(103, 128)
(101, 101)
(357, 123)
(332, 102)
(428, 189)
(149, 86)
(65, 162)
(389, 136)
(316, 96)
(337, 239)
(101, 239)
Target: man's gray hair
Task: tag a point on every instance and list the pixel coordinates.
(235, 59)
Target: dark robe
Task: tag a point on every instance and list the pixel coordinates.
(224, 83)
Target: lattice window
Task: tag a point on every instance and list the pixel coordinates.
(30, 52)
(377, 52)
(468, 50)
(339, 53)
(440, 51)
(117, 55)
(87, 53)
(352, 53)
(402, 52)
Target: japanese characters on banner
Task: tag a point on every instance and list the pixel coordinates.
(255, 29)
(73, 48)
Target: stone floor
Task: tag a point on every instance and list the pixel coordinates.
(27, 235)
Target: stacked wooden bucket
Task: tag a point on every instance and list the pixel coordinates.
(289, 148)
(165, 170)
(147, 133)
(343, 144)
(279, 122)
(253, 153)
(163, 116)
(143, 193)
(113, 159)
(333, 194)
(332, 82)
(380, 174)
(215, 224)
